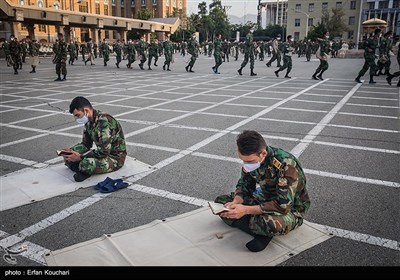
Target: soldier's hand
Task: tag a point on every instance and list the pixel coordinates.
(73, 157)
(236, 211)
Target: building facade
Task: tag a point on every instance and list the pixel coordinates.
(387, 10)
(115, 8)
(275, 12)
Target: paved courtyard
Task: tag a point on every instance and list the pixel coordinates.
(345, 134)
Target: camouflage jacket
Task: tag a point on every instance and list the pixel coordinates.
(282, 182)
(325, 46)
(117, 49)
(61, 51)
(107, 134)
(153, 48)
(371, 45)
(167, 47)
(287, 49)
(34, 48)
(384, 47)
(217, 47)
(193, 47)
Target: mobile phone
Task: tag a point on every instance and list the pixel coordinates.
(63, 153)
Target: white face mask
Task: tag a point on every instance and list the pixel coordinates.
(82, 120)
(251, 166)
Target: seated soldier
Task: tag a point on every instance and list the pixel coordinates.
(282, 200)
(101, 129)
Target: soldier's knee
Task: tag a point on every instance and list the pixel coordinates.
(87, 165)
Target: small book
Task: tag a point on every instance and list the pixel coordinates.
(63, 153)
(217, 208)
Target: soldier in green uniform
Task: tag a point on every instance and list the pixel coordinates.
(167, 53)
(153, 52)
(384, 53)
(324, 49)
(193, 50)
(71, 51)
(248, 53)
(130, 48)
(308, 49)
(106, 51)
(141, 48)
(15, 53)
(104, 131)
(34, 54)
(61, 58)
(278, 205)
(217, 53)
(369, 56)
(287, 50)
(118, 51)
(396, 74)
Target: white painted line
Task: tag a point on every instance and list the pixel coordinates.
(353, 147)
(45, 223)
(356, 236)
(286, 121)
(375, 98)
(361, 237)
(300, 148)
(223, 158)
(378, 92)
(324, 95)
(363, 128)
(368, 115)
(302, 110)
(352, 178)
(22, 161)
(374, 106)
(153, 147)
(314, 101)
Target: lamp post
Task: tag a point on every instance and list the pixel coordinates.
(307, 18)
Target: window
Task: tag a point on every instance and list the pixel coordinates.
(23, 27)
(106, 34)
(352, 20)
(338, 5)
(113, 11)
(350, 35)
(298, 7)
(167, 3)
(22, 2)
(297, 22)
(296, 36)
(371, 5)
(311, 7)
(122, 3)
(310, 22)
(180, 4)
(325, 6)
(113, 2)
(83, 7)
(396, 4)
(106, 10)
(105, 2)
(71, 5)
(143, 2)
(353, 5)
(383, 4)
(40, 4)
(154, 2)
(173, 3)
(97, 7)
(42, 28)
(122, 12)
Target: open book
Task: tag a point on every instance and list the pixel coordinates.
(217, 208)
(63, 153)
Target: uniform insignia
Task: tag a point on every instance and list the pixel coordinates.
(276, 163)
(282, 182)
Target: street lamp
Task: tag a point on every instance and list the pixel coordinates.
(308, 17)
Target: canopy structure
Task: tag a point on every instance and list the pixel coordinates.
(370, 25)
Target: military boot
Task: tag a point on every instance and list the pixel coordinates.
(240, 71)
(252, 73)
(371, 79)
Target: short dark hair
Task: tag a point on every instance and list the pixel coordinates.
(289, 37)
(250, 142)
(377, 31)
(79, 103)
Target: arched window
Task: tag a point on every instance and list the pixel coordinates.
(22, 2)
(40, 3)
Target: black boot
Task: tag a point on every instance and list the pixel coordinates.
(168, 68)
(80, 176)
(389, 79)
(117, 65)
(252, 73)
(398, 83)
(259, 242)
(59, 78)
(371, 79)
(358, 79)
(187, 68)
(287, 75)
(150, 68)
(240, 71)
(163, 67)
(320, 76)
(314, 77)
(33, 70)
(190, 70)
(276, 73)
(64, 78)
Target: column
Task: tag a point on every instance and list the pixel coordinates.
(95, 34)
(123, 35)
(14, 29)
(31, 30)
(67, 33)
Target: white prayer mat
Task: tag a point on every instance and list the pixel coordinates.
(32, 185)
(196, 238)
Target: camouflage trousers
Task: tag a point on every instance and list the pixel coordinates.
(151, 55)
(384, 65)
(323, 66)
(369, 63)
(248, 55)
(91, 165)
(168, 58)
(267, 225)
(61, 68)
(287, 63)
(192, 60)
(118, 58)
(106, 57)
(218, 59)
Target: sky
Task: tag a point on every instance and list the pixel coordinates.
(239, 7)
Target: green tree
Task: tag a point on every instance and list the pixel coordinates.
(144, 14)
(336, 23)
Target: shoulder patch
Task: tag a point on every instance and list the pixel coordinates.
(276, 163)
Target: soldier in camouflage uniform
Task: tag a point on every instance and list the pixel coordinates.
(61, 58)
(153, 52)
(167, 53)
(118, 51)
(131, 53)
(287, 49)
(308, 50)
(278, 205)
(105, 51)
(248, 53)
(15, 53)
(217, 53)
(193, 50)
(141, 48)
(34, 54)
(104, 131)
(369, 55)
(385, 47)
(323, 59)
(72, 52)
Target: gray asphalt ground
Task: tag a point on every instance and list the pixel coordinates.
(172, 120)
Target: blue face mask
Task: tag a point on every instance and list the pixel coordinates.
(251, 166)
(82, 120)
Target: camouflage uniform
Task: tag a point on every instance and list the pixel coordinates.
(323, 64)
(369, 56)
(193, 50)
(72, 52)
(384, 55)
(168, 53)
(61, 58)
(15, 52)
(283, 196)
(107, 134)
(118, 51)
(217, 54)
(287, 50)
(106, 52)
(141, 48)
(153, 52)
(248, 52)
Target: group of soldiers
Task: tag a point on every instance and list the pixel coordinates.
(278, 51)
